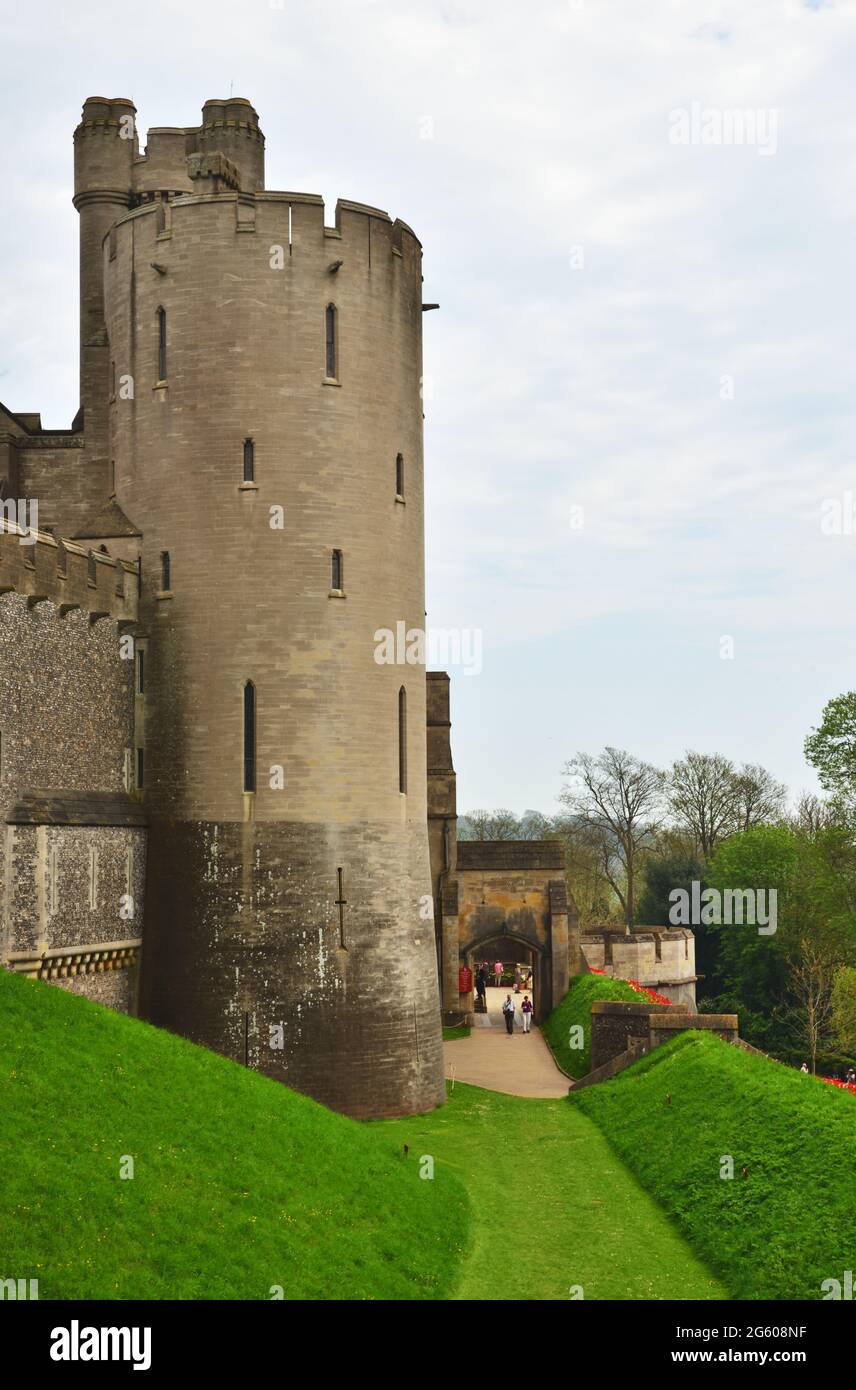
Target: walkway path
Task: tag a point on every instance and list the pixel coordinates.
(519, 1064)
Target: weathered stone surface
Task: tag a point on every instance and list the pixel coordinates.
(305, 902)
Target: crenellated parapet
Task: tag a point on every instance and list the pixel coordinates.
(45, 569)
(663, 958)
(292, 225)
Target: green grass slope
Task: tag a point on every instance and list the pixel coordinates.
(555, 1209)
(575, 1009)
(240, 1184)
(788, 1225)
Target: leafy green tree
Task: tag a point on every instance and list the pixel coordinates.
(831, 748)
(844, 1008)
(753, 970)
(678, 869)
(663, 874)
(780, 983)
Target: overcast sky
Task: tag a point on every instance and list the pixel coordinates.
(641, 377)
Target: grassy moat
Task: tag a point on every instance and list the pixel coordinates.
(242, 1188)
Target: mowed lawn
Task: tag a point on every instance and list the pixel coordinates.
(554, 1207)
(241, 1188)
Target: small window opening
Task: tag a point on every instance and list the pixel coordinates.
(249, 737)
(161, 344)
(337, 571)
(332, 345)
(402, 740)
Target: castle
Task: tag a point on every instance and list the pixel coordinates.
(218, 809)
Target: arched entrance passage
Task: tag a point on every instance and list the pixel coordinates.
(513, 950)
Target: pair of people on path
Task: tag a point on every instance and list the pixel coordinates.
(509, 1009)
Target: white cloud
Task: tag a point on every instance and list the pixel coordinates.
(554, 387)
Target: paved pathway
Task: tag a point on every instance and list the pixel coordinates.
(519, 1064)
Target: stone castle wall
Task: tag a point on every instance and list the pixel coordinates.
(286, 921)
(72, 841)
(662, 959)
(245, 926)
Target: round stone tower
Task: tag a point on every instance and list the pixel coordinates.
(105, 146)
(266, 436)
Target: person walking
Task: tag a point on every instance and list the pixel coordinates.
(526, 1010)
(497, 970)
(481, 989)
(508, 1011)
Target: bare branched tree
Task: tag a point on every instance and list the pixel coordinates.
(760, 798)
(489, 825)
(812, 975)
(703, 798)
(812, 814)
(617, 800)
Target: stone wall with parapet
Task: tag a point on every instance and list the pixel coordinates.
(72, 837)
(662, 959)
(71, 577)
(615, 1024)
(617, 1027)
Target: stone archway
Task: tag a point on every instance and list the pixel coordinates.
(507, 946)
(514, 889)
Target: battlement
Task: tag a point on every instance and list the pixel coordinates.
(292, 221)
(656, 956)
(109, 166)
(45, 570)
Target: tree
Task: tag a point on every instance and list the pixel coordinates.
(664, 873)
(617, 800)
(812, 974)
(844, 1008)
(535, 826)
(758, 797)
(489, 825)
(592, 894)
(703, 796)
(812, 814)
(752, 970)
(776, 982)
(831, 748)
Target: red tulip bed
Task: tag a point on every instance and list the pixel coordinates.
(650, 994)
(842, 1085)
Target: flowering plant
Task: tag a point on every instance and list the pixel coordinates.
(650, 994)
(842, 1085)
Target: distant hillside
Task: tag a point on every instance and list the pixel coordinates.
(786, 1226)
(240, 1184)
